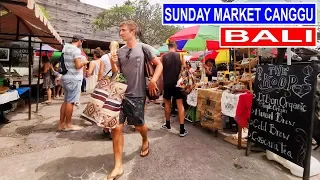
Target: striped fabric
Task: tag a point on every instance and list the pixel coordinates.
(105, 103)
(72, 52)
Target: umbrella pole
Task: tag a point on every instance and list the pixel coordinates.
(288, 56)
(38, 83)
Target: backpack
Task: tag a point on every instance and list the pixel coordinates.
(186, 81)
(149, 70)
(62, 67)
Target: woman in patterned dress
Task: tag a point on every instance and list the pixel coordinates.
(48, 77)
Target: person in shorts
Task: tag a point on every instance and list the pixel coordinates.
(130, 61)
(171, 69)
(71, 82)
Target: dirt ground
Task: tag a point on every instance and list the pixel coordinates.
(33, 150)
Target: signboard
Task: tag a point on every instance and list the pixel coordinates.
(282, 110)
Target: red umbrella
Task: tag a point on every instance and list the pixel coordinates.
(207, 55)
(44, 53)
(213, 45)
(196, 56)
(186, 33)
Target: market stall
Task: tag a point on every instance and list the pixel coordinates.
(25, 19)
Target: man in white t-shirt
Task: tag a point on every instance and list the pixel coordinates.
(107, 65)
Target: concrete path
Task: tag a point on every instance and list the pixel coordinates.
(33, 150)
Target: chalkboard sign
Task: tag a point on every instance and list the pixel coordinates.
(282, 110)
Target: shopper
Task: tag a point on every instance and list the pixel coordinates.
(172, 63)
(48, 78)
(71, 82)
(130, 61)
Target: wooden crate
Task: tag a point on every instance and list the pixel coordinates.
(209, 108)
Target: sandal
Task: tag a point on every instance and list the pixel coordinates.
(114, 177)
(144, 150)
(46, 102)
(73, 128)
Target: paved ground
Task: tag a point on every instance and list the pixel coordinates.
(33, 150)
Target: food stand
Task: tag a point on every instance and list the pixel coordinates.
(229, 96)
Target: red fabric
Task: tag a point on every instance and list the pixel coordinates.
(208, 55)
(44, 53)
(212, 55)
(214, 45)
(196, 56)
(186, 33)
(243, 111)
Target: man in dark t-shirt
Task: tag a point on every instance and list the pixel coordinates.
(172, 62)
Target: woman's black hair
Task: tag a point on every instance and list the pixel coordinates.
(98, 52)
(45, 59)
(210, 60)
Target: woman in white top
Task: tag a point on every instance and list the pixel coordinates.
(95, 71)
(96, 66)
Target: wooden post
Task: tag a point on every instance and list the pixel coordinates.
(234, 65)
(250, 75)
(38, 83)
(30, 75)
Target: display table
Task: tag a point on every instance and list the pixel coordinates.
(4, 103)
(9, 96)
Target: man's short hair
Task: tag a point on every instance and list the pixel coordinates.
(132, 26)
(172, 44)
(77, 38)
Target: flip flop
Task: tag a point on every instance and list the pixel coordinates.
(46, 102)
(114, 177)
(73, 128)
(144, 150)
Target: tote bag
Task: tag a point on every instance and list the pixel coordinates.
(105, 102)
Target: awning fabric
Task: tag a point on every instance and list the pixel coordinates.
(32, 21)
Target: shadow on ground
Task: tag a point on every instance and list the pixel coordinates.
(92, 167)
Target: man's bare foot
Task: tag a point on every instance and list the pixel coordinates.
(72, 128)
(115, 174)
(61, 127)
(144, 149)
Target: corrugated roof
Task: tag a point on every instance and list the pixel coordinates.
(32, 21)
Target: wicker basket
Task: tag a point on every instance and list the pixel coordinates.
(3, 89)
(252, 62)
(245, 50)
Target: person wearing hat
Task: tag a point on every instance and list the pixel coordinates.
(71, 82)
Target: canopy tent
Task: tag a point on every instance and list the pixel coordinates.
(24, 18)
(22, 21)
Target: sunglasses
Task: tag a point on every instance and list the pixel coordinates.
(128, 54)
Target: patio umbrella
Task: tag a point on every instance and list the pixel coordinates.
(205, 32)
(46, 50)
(196, 56)
(195, 37)
(163, 49)
(156, 52)
(56, 56)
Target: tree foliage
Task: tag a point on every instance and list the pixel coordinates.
(146, 15)
(45, 12)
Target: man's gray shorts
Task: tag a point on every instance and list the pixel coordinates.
(72, 90)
